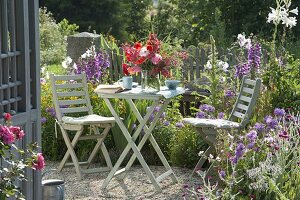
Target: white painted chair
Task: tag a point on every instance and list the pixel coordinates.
(70, 96)
(239, 117)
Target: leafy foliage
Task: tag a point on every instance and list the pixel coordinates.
(53, 44)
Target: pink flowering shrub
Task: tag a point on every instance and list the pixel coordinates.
(15, 160)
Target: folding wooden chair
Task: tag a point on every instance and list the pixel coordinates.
(238, 119)
(70, 96)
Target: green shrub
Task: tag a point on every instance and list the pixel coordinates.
(52, 38)
(185, 146)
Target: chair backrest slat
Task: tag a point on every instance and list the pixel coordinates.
(67, 77)
(73, 85)
(250, 82)
(72, 102)
(70, 95)
(248, 90)
(242, 106)
(239, 114)
(246, 101)
(74, 110)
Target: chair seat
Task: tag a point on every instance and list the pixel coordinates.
(217, 123)
(88, 119)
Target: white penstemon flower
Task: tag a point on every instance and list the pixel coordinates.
(65, 64)
(281, 14)
(208, 65)
(243, 41)
(223, 65)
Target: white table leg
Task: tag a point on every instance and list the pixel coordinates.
(131, 145)
(149, 135)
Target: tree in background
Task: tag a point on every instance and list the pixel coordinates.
(119, 18)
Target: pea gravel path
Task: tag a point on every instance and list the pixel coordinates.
(136, 185)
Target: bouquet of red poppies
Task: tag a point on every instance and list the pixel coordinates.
(155, 56)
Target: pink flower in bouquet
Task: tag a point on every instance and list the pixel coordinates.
(153, 56)
(6, 135)
(156, 59)
(39, 162)
(144, 52)
(17, 131)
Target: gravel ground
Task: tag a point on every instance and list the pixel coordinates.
(135, 186)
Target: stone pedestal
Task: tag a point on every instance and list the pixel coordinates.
(78, 44)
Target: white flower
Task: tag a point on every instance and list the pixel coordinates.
(43, 69)
(144, 52)
(289, 21)
(248, 43)
(218, 159)
(211, 156)
(74, 66)
(66, 62)
(243, 41)
(223, 65)
(47, 75)
(88, 53)
(200, 153)
(294, 11)
(282, 14)
(274, 15)
(83, 55)
(208, 65)
(222, 79)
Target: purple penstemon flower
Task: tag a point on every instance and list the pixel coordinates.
(254, 55)
(222, 174)
(207, 108)
(179, 124)
(201, 115)
(93, 64)
(221, 115)
(229, 93)
(166, 123)
(43, 120)
(279, 112)
(239, 151)
(242, 69)
(271, 123)
(252, 135)
(259, 127)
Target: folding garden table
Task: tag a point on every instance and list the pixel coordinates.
(163, 97)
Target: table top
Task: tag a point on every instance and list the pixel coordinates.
(137, 93)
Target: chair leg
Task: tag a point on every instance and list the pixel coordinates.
(202, 159)
(70, 151)
(99, 145)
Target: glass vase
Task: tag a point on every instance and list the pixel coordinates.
(150, 83)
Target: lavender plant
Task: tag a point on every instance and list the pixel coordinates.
(264, 163)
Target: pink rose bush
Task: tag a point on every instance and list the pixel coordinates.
(15, 159)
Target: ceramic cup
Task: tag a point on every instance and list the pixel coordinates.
(126, 81)
(172, 84)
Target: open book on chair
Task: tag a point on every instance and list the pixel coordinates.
(111, 89)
